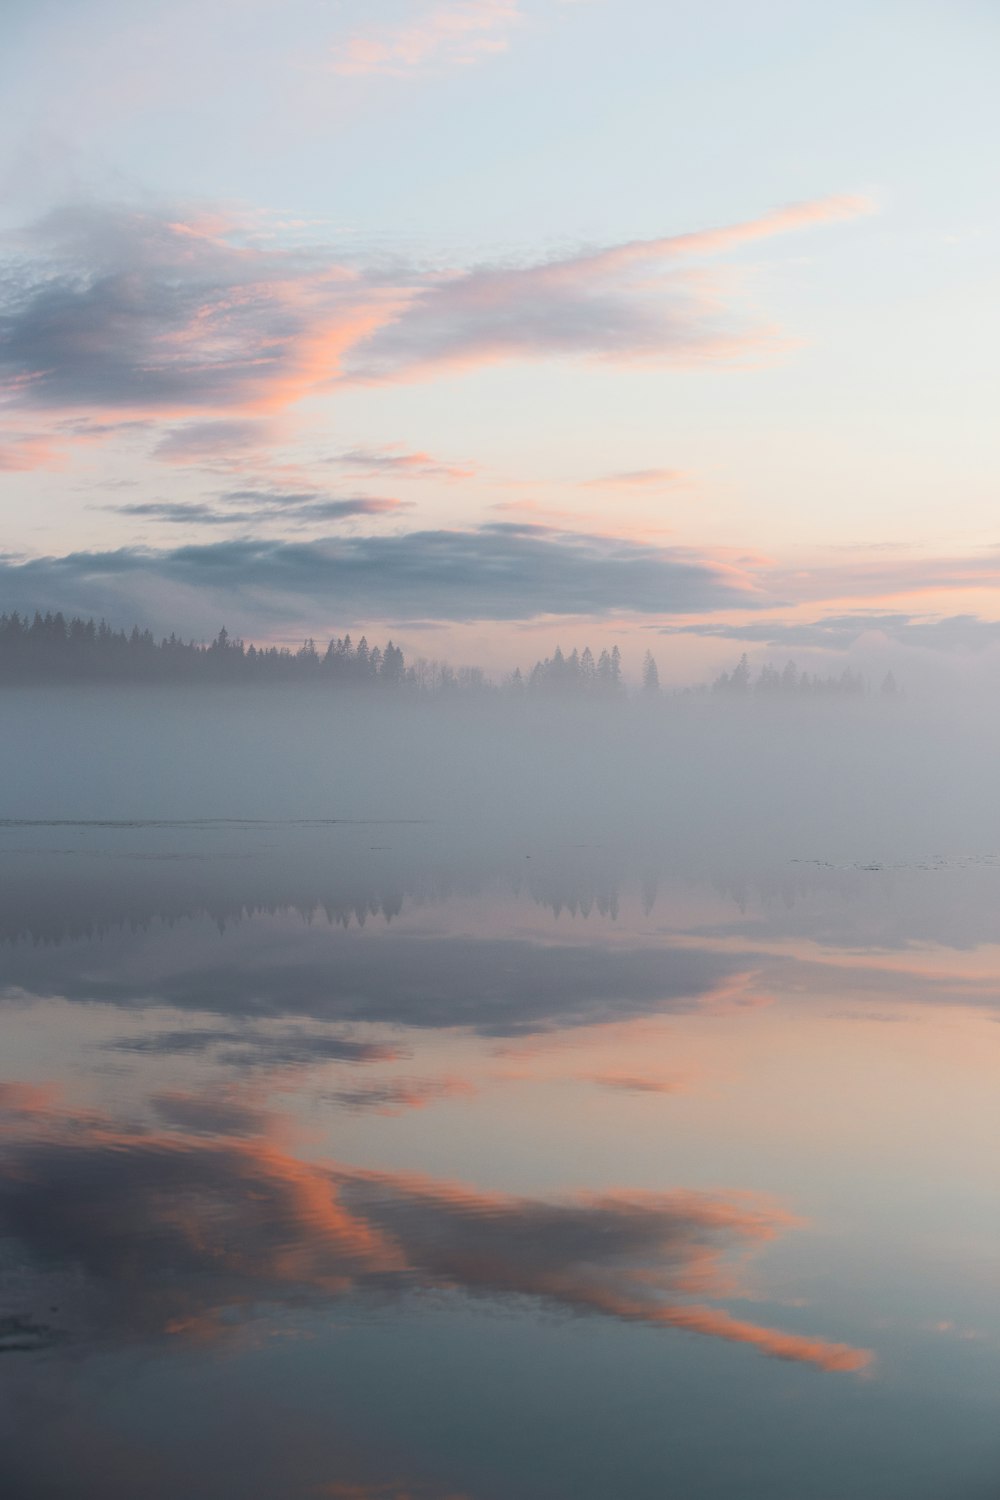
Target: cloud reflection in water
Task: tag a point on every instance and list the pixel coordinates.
(182, 1233)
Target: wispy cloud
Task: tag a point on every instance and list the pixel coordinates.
(393, 1096)
(259, 507)
(889, 574)
(243, 1045)
(638, 479)
(194, 442)
(640, 1083)
(390, 460)
(444, 36)
(636, 301)
(954, 634)
(111, 314)
(21, 453)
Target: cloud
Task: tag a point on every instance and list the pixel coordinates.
(210, 1114)
(640, 1083)
(889, 573)
(20, 453)
(309, 502)
(637, 479)
(24, 452)
(194, 442)
(174, 1235)
(394, 1095)
(256, 507)
(953, 634)
(388, 460)
(447, 36)
(124, 310)
(625, 303)
(501, 571)
(244, 1046)
(178, 511)
(114, 311)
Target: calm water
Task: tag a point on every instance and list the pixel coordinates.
(352, 1160)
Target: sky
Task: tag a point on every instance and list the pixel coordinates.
(494, 324)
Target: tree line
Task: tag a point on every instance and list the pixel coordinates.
(51, 647)
(580, 674)
(54, 648)
(792, 683)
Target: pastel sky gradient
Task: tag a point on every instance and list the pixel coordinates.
(496, 323)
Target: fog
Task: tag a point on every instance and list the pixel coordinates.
(697, 779)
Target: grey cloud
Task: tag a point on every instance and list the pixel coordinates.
(244, 1046)
(124, 309)
(547, 310)
(196, 441)
(252, 507)
(392, 1096)
(495, 572)
(209, 1114)
(178, 512)
(310, 505)
(958, 633)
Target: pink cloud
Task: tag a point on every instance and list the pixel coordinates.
(119, 315)
(622, 304)
(795, 216)
(370, 462)
(23, 454)
(886, 577)
(450, 36)
(637, 479)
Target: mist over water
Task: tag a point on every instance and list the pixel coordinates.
(486, 1099)
(710, 779)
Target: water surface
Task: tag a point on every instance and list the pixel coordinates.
(366, 1160)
